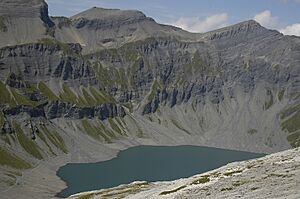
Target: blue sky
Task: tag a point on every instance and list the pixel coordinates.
(198, 15)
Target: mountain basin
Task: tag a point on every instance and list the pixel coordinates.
(147, 163)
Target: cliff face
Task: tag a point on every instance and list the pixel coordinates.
(109, 75)
(26, 9)
(23, 21)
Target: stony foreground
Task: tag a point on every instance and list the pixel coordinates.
(79, 89)
(273, 176)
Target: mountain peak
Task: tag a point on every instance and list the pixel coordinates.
(243, 28)
(109, 14)
(23, 8)
(250, 23)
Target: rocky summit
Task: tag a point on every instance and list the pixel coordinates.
(21, 8)
(79, 89)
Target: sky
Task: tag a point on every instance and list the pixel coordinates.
(198, 15)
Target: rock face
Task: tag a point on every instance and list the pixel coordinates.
(109, 79)
(274, 176)
(22, 8)
(23, 21)
(111, 15)
(108, 75)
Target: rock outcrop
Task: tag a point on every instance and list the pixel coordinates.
(25, 9)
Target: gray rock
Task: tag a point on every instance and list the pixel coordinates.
(217, 86)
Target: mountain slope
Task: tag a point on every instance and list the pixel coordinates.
(108, 79)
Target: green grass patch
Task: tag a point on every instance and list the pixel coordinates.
(88, 98)
(2, 119)
(156, 86)
(139, 132)
(106, 131)
(110, 76)
(201, 180)
(292, 124)
(68, 95)
(87, 196)
(239, 183)
(22, 100)
(53, 42)
(130, 53)
(121, 78)
(289, 111)
(11, 160)
(55, 139)
(126, 191)
(137, 65)
(6, 139)
(46, 92)
(93, 97)
(179, 126)
(102, 74)
(101, 96)
(114, 126)
(294, 139)
(29, 146)
(173, 190)
(121, 124)
(43, 138)
(95, 132)
(30, 88)
(6, 97)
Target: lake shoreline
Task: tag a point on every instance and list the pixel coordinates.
(271, 176)
(80, 177)
(95, 152)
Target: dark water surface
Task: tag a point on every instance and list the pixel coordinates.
(147, 163)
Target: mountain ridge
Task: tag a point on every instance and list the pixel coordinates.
(115, 17)
(98, 12)
(84, 88)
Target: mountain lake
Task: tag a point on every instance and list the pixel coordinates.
(147, 163)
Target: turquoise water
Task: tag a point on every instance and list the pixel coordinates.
(147, 163)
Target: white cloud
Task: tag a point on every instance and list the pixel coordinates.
(293, 29)
(195, 24)
(266, 19)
